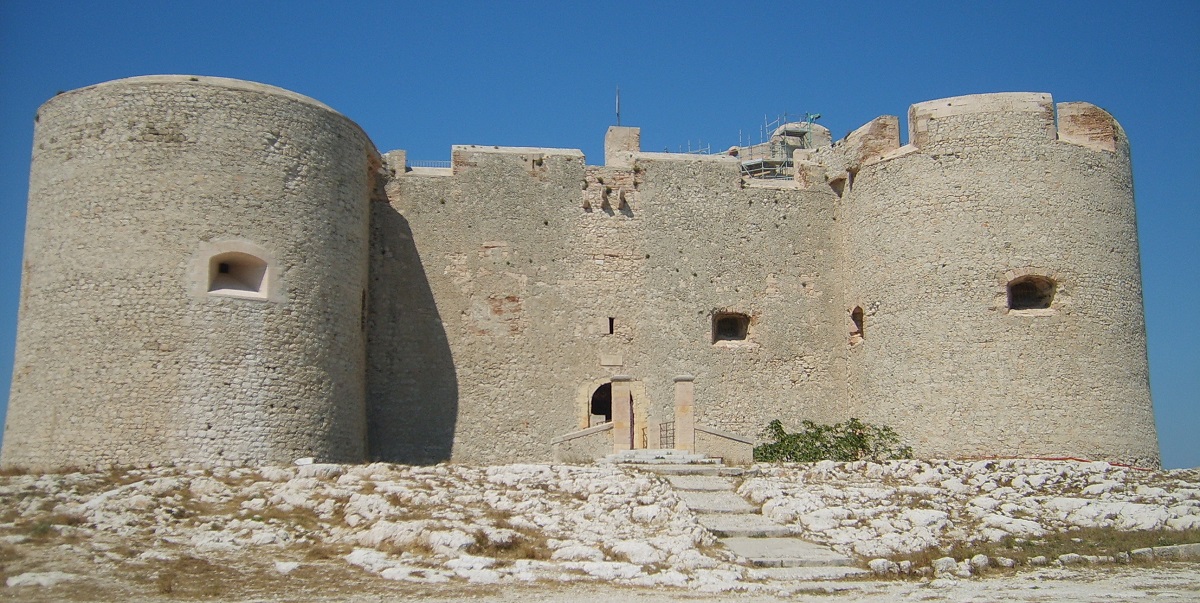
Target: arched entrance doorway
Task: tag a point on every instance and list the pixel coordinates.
(600, 408)
(614, 403)
(594, 406)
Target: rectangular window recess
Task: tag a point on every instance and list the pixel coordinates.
(612, 323)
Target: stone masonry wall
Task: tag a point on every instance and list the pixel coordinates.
(932, 236)
(469, 313)
(123, 356)
(715, 245)
(528, 258)
(492, 375)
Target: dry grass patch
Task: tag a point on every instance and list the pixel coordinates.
(418, 547)
(404, 510)
(320, 551)
(295, 517)
(526, 544)
(102, 480)
(41, 529)
(1084, 541)
(1098, 541)
(192, 577)
(8, 554)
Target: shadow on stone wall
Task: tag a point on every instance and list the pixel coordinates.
(412, 386)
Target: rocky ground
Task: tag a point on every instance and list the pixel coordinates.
(1002, 529)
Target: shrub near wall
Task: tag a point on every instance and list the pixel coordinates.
(851, 440)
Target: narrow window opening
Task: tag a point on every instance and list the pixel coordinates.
(1031, 293)
(612, 325)
(856, 325)
(223, 268)
(729, 326)
(362, 311)
(838, 185)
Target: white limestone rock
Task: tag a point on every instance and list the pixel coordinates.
(321, 470)
(286, 567)
(578, 552)
(690, 560)
(43, 579)
(980, 562)
(449, 540)
(716, 580)
(650, 513)
(277, 474)
(638, 553)
(944, 565)
(608, 570)
(883, 567)
(409, 573)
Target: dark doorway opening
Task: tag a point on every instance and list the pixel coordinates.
(601, 405)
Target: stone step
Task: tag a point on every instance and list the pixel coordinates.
(715, 502)
(677, 457)
(664, 461)
(746, 525)
(807, 574)
(785, 552)
(701, 482)
(686, 469)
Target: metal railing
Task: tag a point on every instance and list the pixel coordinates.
(423, 163)
(666, 435)
(768, 169)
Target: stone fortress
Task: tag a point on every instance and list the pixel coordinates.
(225, 272)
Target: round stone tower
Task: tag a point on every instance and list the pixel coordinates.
(195, 277)
(993, 293)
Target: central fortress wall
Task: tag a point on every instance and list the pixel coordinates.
(532, 257)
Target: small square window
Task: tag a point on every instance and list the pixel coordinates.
(1031, 292)
(237, 274)
(730, 326)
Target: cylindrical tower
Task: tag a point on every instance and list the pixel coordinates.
(993, 284)
(194, 279)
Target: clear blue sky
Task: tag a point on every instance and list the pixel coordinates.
(423, 76)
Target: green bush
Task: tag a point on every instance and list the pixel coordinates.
(852, 440)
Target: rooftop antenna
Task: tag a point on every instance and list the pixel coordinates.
(618, 105)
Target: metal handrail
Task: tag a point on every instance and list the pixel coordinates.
(425, 163)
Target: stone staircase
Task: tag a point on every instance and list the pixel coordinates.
(710, 491)
(671, 462)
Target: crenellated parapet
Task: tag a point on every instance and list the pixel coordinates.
(961, 124)
(1090, 126)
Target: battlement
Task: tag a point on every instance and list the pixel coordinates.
(1090, 126)
(1014, 116)
(1008, 115)
(950, 123)
(802, 155)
